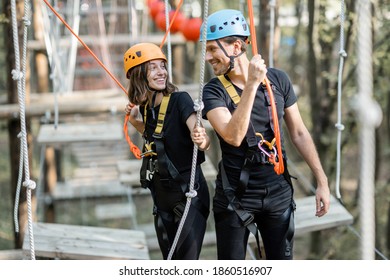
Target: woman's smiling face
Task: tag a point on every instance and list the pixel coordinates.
(157, 74)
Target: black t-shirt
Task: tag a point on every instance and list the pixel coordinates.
(178, 144)
(215, 95)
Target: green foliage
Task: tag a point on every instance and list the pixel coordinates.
(4, 19)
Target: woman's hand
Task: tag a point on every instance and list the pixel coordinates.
(200, 138)
(133, 111)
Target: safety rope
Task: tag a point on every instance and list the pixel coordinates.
(339, 126)
(370, 116)
(279, 166)
(19, 76)
(198, 106)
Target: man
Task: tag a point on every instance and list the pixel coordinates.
(250, 196)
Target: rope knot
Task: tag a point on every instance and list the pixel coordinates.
(339, 126)
(198, 106)
(343, 53)
(191, 194)
(26, 21)
(29, 184)
(16, 75)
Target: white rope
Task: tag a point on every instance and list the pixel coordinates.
(339, 126)
(198, 107)
(18, 187)
(272, 5)
(369, 116)
(21, 86)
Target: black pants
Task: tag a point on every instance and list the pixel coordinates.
(169, 203)
(271, 215)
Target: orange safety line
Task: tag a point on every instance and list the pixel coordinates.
(279, 166)
(134, 149)
(171, 23)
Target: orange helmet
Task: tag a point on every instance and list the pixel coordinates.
(141, 53)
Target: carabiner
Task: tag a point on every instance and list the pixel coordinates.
(149, 151)
(260, 145)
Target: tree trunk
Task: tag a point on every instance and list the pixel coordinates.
(14, 126)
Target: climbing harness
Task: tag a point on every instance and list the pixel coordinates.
(272, 153)
(251, 158)
(155, 159)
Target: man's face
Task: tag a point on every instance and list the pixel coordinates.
(216, 57)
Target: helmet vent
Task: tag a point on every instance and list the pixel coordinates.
(138, 53)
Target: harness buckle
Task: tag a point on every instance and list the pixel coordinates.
(246, 218)
(158, 135)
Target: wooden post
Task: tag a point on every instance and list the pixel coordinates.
(14, 124)
(43, 85)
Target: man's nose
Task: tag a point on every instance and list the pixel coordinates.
(208, 56)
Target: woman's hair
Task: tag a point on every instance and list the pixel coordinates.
(138, 84)
(231, 39)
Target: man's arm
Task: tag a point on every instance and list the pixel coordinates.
(233, 128)
(303, 141)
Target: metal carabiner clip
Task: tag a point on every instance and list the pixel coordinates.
(260, 145)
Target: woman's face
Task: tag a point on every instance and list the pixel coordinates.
(157, 74)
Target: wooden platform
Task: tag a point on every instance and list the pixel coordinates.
(58, 241)
(78, 132)
(68, 191)
(306, 221)
(17, 254)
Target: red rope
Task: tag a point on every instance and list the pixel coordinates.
(134, 149)
(278, 166)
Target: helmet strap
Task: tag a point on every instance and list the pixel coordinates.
(231, 57)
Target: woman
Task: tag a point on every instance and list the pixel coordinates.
(168, 150)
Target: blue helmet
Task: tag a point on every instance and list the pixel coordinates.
(225, 23)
